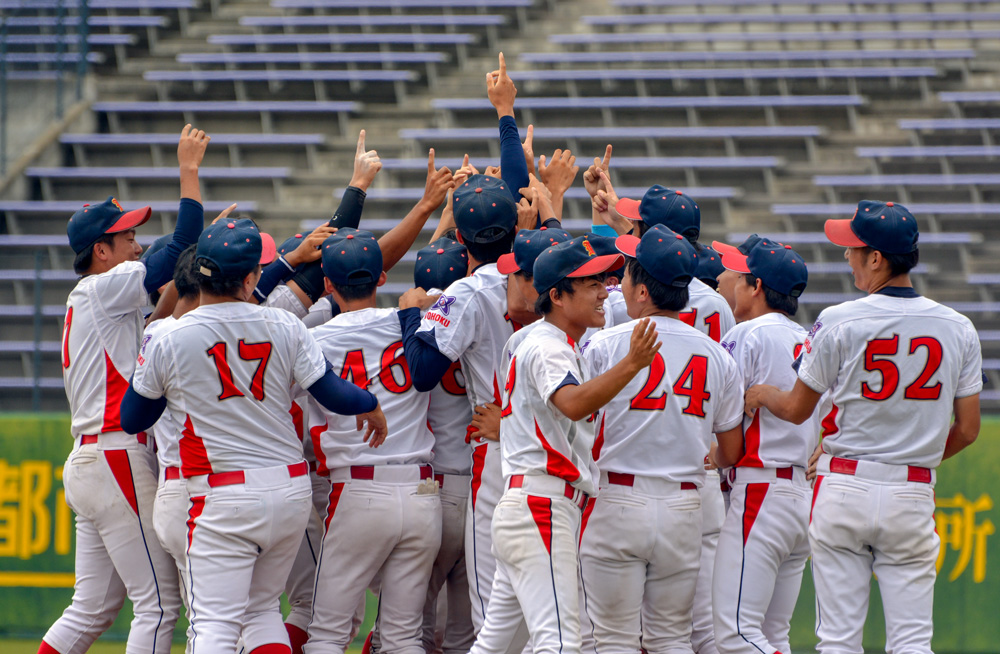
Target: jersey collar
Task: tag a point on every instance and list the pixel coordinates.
(898, 291)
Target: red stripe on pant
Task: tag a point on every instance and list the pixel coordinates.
(541, 511)
(122, 470)
(754, 498)
(816, 485)
(586, 518)
(197, 506)
(272, 648)
(335, 492)
(478, 463)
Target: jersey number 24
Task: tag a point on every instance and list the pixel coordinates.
(690, 384)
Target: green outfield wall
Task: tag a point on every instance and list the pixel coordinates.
(37, 536)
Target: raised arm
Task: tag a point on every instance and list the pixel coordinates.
(397, 241)
(513, 166)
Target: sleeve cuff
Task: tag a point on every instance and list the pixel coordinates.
(604, 230)
(811, 382)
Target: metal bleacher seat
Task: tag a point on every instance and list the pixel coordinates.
(741, 3)
(906, 185)
(810, 18)
(702, 36)
(743, 56)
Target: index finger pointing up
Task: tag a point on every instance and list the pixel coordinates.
(361, 142)
(430, 160)
(503, 66)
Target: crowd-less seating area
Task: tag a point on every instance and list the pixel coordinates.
(775, 116)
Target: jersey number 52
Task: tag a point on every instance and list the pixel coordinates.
(887, 347)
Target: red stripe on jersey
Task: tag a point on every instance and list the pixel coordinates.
(816, 485)
(599, 441)
(829, 423)
(497, 398)
(122, 470)
(586, 518)
(541, 511)
(194, 512)
(315, 433)
(478, 463)
(296, 412)
(556, 464)
(754, 498)
(335, 492)
(194, 457)
(751, 459)
(114, 391)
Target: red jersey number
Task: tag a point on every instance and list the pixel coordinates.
(713, 322)
(690, 384)
(889, 372)
(248, 352)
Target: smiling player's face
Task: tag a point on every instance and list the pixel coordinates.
(585, 307)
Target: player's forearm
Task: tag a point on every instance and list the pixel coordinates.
(190, 186)
(352, 204)
(794, 406)
(555, 208)
(965, 430)
(340, 396)
(275, 273)
(165, 305)
(731, 447)
(160, 265)
(513, 167)
(139, 413)
(577, 402)
(397, 241)
(307, 283)
(427, 365)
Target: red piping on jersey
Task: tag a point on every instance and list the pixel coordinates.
(541, 512)
(829, 423)
(754, 498)
(296, 412)
(122, 470)
(335, 492)
(194, 512)
(751, 459)
(114, 392)
(194, 457)
(478, 463)
(497, 398)
(556, 464)
(315, 433)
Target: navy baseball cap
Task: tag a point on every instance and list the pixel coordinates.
(235, 247)
(749, 242)
(93, 221)
(777, 266)
(709, 265)
(884, 226)
(352, 257)
(157, 245)
(439, 264)
(663, 253)
(606, 245)
(575, 258)
(485, 211)
(663, 206)
(528, 244)
(290, 244)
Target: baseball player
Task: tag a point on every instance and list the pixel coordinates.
(764, 545)
(110, 476)
(899, 368)
(394, 482)
(227, 367)
(709, 267)
(546, 441)
(640, 549)
(727, 279)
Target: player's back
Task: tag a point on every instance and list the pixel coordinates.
(366, 347)
(227, 369)
(167, 430)
(707, 311)
(448, 416)
(101, 335)
(765, 349)
(661, 424)
(894, 365)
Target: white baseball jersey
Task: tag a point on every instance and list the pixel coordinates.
(535, 437)
(764, 350)
(228, 369)
(101, 334)
(167, 430)
(366, 347)
(469, 323)
(615, 313)
(448, 416)
(511, 345)
(282, 297)
(707, 311)
(662, 423)
(320, 312)
(893, 365)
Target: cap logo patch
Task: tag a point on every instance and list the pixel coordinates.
(117, 204)
(589, 248)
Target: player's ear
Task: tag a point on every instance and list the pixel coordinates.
(458, 237)
(328, 285)
(381, 279)
(758, 287)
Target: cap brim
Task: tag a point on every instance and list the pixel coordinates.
(597, 265)
(840, 233)
(507, 265)
(627, 244)
(130, 220)
(628, 208)
(725, 248)
(735, 261)
(268, 251)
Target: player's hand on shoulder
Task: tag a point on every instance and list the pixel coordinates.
(486, 420)
(754, 398)
(417, 298)
(191, 147)
(643, 345)
(374, 425)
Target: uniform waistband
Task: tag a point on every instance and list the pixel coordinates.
(454, 483)
(257, 477)
(393, 474)
(875, 471)
(114, 439)
(645, 483)
(748, 475)
(549, 486)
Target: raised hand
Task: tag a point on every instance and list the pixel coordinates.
(366, 165)
(191, 147)
(529, 149)
(592, 176)
(309, 249)
(225, 212)
(527, 209)
(558, 173)
(492, 171)
(467, 170)
(500, 89)
(417, 298)
(439, 182)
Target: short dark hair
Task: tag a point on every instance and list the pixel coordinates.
(711, 282)
(355, 291)
(524, 274)
(775, 301)
(85, 259)
(217, 283)
(451, 233)
(543, 305)
(185, 279)
(665, 298)
(691, 234)
(899, 264)
(490, 252)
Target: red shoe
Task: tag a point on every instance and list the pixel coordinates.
(296, 637)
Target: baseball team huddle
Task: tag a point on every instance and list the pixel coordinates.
(612, 443)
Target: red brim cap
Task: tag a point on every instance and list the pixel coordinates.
(268, 251)
(840, 233)
(506, 264)
(732, 258)
(628, 208)
(597, 265)
(626, 244)
(130, 220)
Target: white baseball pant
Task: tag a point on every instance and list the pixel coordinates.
(486, 489)
(713, 510)
(386, 519)
(110, 483)
(244, 529)
(876, 518)
(759, 561)
(536, 530)
(639, 555)
(170, 513)
(302, 578)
